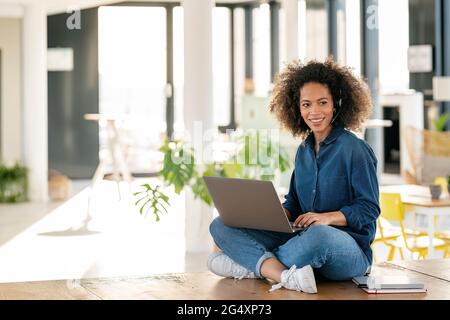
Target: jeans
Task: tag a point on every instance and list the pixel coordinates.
(332, 253)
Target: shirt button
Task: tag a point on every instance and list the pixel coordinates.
(314, 191)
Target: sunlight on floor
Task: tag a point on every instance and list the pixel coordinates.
(119, 241)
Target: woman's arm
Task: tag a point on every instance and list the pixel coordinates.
(365, 207)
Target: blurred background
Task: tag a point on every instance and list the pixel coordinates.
(90, 90)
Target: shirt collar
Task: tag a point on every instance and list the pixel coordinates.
(336, 131)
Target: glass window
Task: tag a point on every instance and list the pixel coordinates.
(394, 41)
(316, 29)
(221, 64)
(239, 58)
(302, 30)
(132, 73)
(178, 69)
(353, 35)
(261, 50)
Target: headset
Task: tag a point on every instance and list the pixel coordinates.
(339, 106)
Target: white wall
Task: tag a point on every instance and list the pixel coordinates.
(11, 51)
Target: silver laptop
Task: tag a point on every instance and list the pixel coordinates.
(250, 204)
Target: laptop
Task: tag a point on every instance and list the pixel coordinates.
(249, 204)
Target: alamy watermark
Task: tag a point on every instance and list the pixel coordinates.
(247, 147)
(73, 22)
(372, 17)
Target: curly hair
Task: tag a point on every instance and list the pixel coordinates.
(356, 102)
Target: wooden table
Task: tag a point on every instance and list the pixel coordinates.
(206, 286)
(419, 198)
(436, 268)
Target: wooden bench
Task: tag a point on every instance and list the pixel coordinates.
(207, 286)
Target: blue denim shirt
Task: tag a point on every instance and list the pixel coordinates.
(342, 177)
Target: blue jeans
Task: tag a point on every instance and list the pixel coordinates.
(332, 253)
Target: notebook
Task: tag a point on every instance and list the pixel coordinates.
(389, 284)
(394, 290)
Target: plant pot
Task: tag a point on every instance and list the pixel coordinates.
(435, 190)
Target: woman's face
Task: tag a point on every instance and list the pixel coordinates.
(316, 107)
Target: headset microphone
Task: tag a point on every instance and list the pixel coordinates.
(335, 116)
(337, 113)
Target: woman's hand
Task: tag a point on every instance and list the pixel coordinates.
(336, 218)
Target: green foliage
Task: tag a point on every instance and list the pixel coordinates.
(13, 183)
(152, 199)
(179, 167)
(257, 158)
(441, 121)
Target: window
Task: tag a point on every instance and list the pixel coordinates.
(132, 74)
(178, 68)
(316, 29)
(261, 50)
(353, 35)
(394, 41)
(221, 65)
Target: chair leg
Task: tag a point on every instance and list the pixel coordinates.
(401, 253)
(423, 254)
(391, 254)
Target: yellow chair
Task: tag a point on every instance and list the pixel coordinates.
(392, 210)
(387, 232)
(443, 235)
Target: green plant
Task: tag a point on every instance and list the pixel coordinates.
(13, 183)
(257, 158)
(154, 200)
(441, 121)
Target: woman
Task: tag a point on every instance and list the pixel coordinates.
(333, 190)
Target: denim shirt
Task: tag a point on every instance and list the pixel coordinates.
(341, 177)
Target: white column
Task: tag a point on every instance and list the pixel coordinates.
(198, 107)
(34, 37)
(290, 10)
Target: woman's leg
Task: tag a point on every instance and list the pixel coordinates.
(247, 247)
(333, 252)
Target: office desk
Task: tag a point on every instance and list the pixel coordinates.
(419, 198)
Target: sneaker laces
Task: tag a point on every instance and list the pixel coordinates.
(283, 283)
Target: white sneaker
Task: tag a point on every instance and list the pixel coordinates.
(297, 279)
(222, 265)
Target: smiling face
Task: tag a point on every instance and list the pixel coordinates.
(316, 108)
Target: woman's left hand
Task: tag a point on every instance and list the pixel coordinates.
(326, 218)
(307, 219)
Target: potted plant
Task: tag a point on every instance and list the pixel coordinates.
(13, 183)
(441, 121)
(181, 170)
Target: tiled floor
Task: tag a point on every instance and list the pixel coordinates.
(50, 241)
